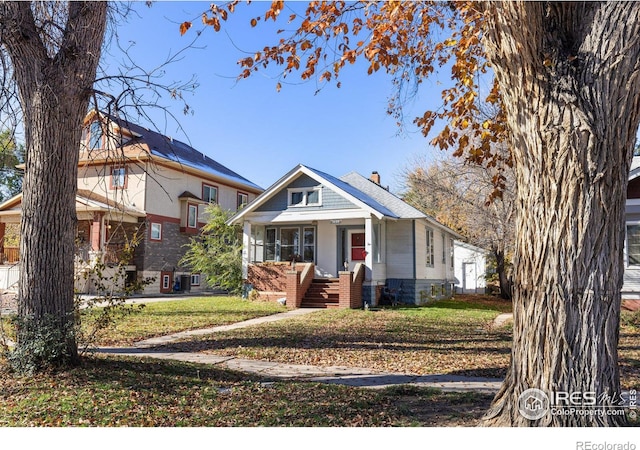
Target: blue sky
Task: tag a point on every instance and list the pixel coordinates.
(261, 133)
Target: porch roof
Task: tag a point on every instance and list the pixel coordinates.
(86, 202)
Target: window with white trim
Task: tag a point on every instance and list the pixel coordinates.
(283, 244)
(430, 255)
(633, 245)
(451, 252)
(166, 282)
(243, 200)
(305, 197)
(192, 216)
(156, 231)
(209, 193)
(118, 177)
(195, 279)
(377, 243)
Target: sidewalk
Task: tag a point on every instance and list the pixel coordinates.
(350, 376)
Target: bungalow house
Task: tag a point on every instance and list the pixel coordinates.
(136, 185)
(317, 239)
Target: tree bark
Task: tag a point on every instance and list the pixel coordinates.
(54, 72)
(569, 76)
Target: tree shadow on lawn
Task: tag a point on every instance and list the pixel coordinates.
(153, 374)
(331, 341)
(253, 403)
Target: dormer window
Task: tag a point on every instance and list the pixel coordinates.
(305, 197)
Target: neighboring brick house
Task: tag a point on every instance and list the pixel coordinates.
(136, 182)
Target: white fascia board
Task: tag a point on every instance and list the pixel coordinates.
(286, 179)
(306, 216)
(444, 228)
(633, 201)
(262, 198)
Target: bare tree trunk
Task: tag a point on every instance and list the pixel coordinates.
(54, 71)
(506, 285)
(569, 74)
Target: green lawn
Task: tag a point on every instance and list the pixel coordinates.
(445, 337)
(453, 336)
(160, 318)
(129, 392)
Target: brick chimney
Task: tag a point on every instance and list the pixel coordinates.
(375, 177)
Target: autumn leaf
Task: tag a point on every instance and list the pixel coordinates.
(184, 27)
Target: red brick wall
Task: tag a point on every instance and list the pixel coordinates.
(270, 276)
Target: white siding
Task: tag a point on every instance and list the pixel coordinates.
(326, 250)
(400, 248)
(440, 270)
(470, 266)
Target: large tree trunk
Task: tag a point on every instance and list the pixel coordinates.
(54, 73)
(569, 76)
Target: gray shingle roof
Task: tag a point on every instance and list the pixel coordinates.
(396, 205)
(357, 193)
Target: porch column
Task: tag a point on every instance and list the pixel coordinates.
(96, 235)
(368, 243)
(246, 248)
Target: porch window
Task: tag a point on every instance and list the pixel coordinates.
(430, 253)
(633, 244)
(377, 243)
(156, 231)
(270, 245)
(282, 244)
(309, 246)
(289, 243)
(209, 193)
(305, 197)
(256, 253)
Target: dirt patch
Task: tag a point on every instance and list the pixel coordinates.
(8, 303)
(443, 409)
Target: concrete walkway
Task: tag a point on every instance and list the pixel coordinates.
(351, 376)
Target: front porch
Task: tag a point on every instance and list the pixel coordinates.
(297, 283)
